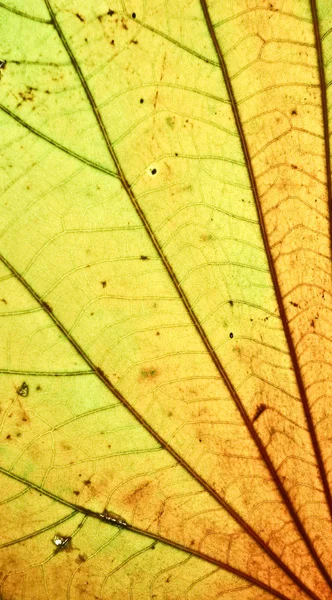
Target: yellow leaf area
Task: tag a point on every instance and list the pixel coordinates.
(165, 300)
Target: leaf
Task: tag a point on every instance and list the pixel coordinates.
(165, 300)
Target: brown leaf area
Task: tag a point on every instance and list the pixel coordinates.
(165, 300)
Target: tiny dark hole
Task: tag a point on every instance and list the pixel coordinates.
(134, 15)
(141, 100)
(154, 171)
(231, 335)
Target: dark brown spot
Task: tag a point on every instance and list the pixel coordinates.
(110, 13)
(104, 283)
(101, 372)
(133, 15)
(87, 482)
(231, 302)
(4, 300)
(23, 390)
(47, 306)
(259, 410)
(294, 166)
(231, 335)
(76, 492)
(141, 100)
(294, 112)
(293, 304)
(81, 558)
(8, 437)
(143, 257)
(79, 17)
(153, 171)
(38, 388)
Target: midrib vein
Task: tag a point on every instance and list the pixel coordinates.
(282, 311)
(233, 513)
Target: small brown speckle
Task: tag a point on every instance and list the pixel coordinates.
(144, 257)
(104, 283)
(149, 373)
(79, 17)
(81, 558)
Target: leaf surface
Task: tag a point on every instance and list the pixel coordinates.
(165, 300)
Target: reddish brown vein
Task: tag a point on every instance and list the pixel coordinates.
(281, 307)
(325, 115)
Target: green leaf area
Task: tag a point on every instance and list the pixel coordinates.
(165, 300)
